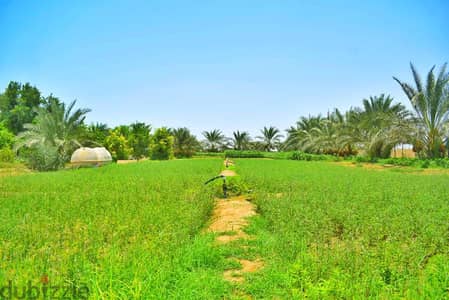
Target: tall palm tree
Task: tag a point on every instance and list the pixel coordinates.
(240, 140)
(215, 140)
(58, 126)
(185, 143)
(299, 135)
(380, 123)
(431, 104)
(271, 138)
(382, 103)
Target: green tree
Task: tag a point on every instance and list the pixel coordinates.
(161, 147)
(271, 138)
(139, 139)
(185, 144)
(215, 140)
(18, 105)
(95, 135)
(117, 144)
(6, 137)
(55, 133)
(240, 140)
(431, 105)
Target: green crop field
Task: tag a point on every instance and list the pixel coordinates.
(125, 231)
(324, 231)
(328, 231)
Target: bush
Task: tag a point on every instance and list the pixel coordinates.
(425, 164)
(243, 154)
(118, 145)
(43, 158)
(365, 159)
(209, 154)
(6, 155)
(6, 137)
(298, 155)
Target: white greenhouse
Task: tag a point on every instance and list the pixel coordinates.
(85, 156)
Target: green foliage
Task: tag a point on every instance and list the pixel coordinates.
(42, 157)
(270, 138)
(56, 129)
(95, 135)
(185, 144)
(215, 141)
(161, 147)
(139, 139)
(298, 155)
(6, 137)
(243, 154)
(117, 145)
(7, 155)
(18, 105)
(209, 154)
(431, 105)
(241, 140)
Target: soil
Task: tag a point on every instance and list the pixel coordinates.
(228, 173)
(229, 219)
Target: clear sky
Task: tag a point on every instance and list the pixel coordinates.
(218, 64)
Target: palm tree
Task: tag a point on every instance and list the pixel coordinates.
(382, 103)
(215, 140)
(240, 140)
(185, 143)
(299, 135)
(382, 125)
(431, 104)
(57, 126)
(95, 134)
(271, 138)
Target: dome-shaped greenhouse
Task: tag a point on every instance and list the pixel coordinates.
(90, 156)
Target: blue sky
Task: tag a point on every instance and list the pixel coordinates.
(218, 64)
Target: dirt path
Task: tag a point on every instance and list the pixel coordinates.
(229, 219)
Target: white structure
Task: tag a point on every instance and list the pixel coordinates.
(85, 156)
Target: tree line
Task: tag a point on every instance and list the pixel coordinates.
(44, 131)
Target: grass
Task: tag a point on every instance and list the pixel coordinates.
(324, 231)
(125, 231)
(333, 232)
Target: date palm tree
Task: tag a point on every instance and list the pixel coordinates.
(185, 143)
(271, 138)
(431, 105)
(240, 140)
(215, 140)
(57, 126)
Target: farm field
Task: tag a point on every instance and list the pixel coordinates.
(323, 231)
(124, 231)
(328, 231)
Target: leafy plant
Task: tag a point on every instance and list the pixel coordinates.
(185, 144)
(270, 138)
(57, 129)
(118, 145)
(431, 105)
(139, 139)
(215, 140)
(161, 147)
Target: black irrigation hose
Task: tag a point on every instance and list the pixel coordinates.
(215, 178)
(225, 187)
